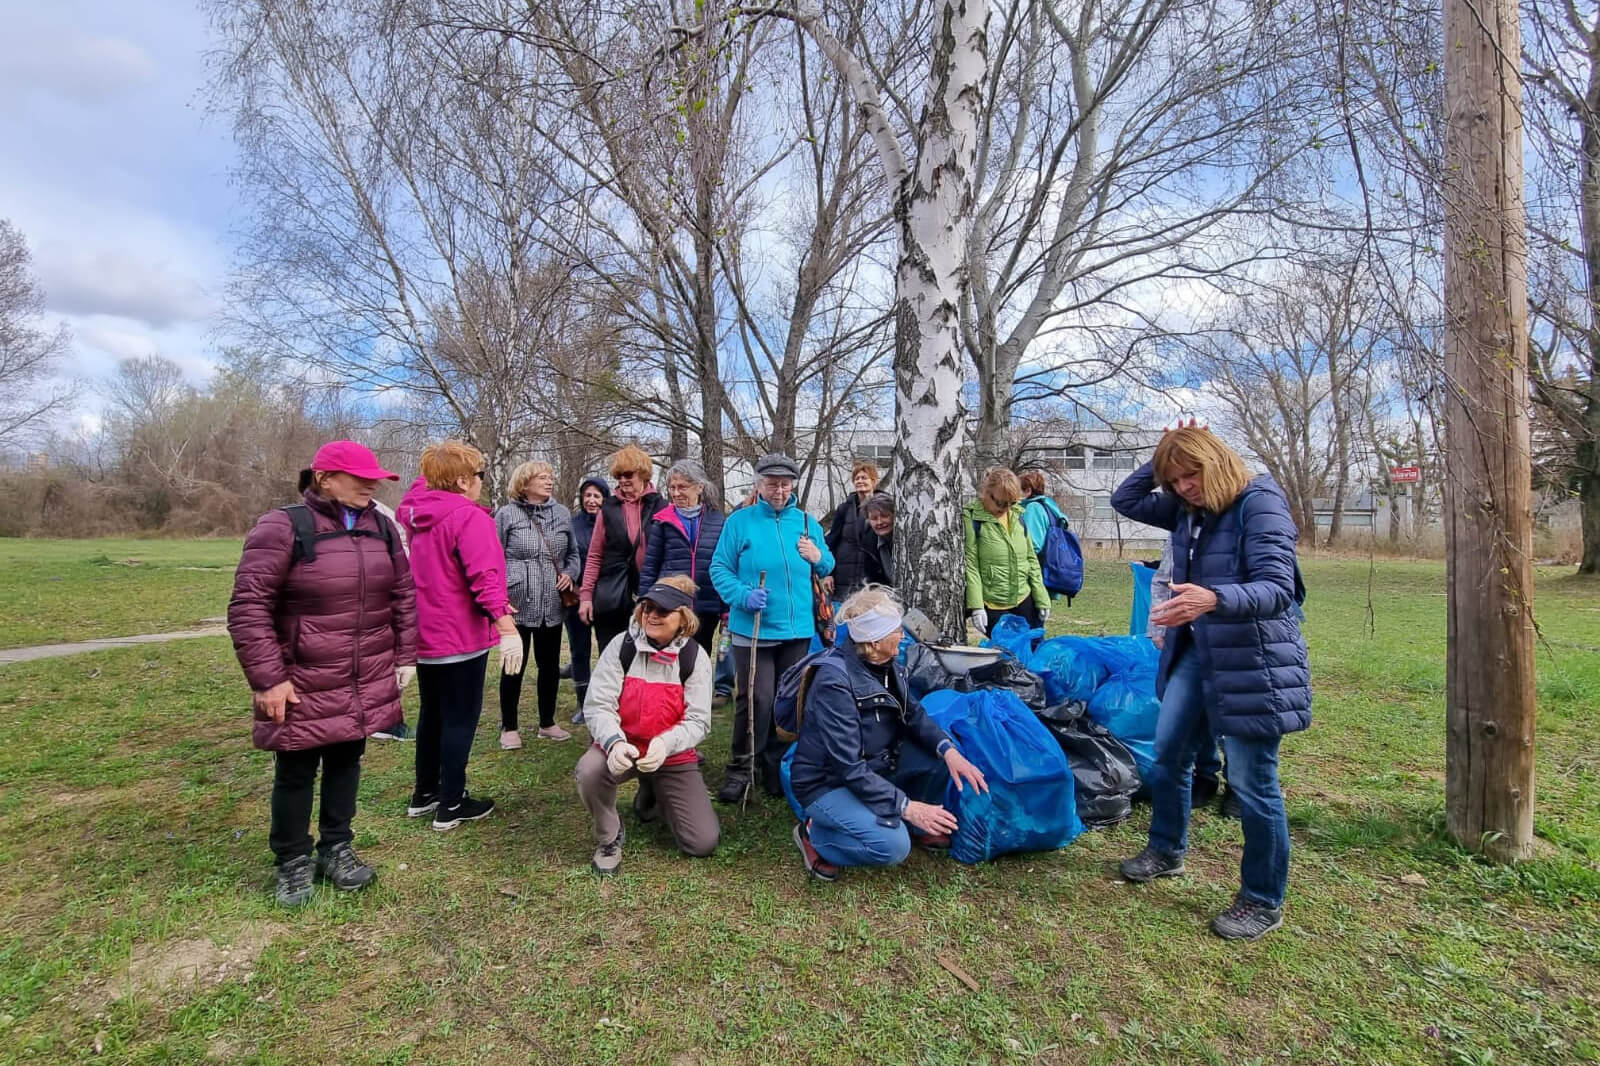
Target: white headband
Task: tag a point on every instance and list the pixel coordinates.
(874, 624)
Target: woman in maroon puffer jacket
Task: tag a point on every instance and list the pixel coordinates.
(327, 638)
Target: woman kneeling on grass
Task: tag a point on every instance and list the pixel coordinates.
(649, 704)
(869, 761)
(324, 621)
(1233, 662)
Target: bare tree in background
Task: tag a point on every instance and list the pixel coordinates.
(401, 241)
(30, 351)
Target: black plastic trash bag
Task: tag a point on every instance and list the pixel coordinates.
(1010, 675)
(1105, 772)
(927, 671)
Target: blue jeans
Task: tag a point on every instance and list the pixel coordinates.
(846, 833)
(1252, 775)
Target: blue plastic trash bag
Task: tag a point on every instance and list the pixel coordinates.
(1069, 668)
(1030, 803)
(785, 773)
(1127, 707)
(1012, 635)
(1139, 620)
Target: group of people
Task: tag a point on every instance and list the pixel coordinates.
(336, 610)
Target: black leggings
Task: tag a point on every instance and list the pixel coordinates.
(293, 786)
(452, 701)
(771, 661)
(1027, 610)
(706, 635)
(546, 641)
(610, 625)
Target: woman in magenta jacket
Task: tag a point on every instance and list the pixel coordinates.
(462, 612)
(323, 619)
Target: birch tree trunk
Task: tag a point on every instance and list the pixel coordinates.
(1488, 517)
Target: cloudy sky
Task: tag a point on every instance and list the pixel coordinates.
(116, 174)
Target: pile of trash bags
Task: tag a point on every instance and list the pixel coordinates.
(1112, 678)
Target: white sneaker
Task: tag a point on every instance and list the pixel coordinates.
(510, 740)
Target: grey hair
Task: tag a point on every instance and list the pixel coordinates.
(691, 471)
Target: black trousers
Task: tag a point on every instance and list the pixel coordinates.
(771, 661)
(706, 635)
(293, 786)
(546, 659)
(580, 638)
(452, 702)
(610, 625)
(1027, 610)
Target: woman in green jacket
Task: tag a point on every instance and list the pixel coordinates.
(1003, 575)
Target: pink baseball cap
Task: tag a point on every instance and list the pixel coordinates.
(348, 457)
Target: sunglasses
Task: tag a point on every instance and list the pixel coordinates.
(653, 610)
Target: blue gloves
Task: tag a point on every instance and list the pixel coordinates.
(755, 599)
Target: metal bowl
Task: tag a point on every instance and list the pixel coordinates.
(962, 658)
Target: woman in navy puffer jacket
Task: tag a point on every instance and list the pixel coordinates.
(681, 538)
(1233, 657)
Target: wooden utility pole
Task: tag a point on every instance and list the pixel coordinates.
(1488, 475)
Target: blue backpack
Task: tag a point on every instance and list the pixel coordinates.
(789, 704)
(1061, 559)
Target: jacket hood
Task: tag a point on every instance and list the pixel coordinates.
(976, 510)
(424, 508)
(598, 482)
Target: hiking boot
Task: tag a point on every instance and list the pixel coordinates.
(1202, 791)
(1228, 806)
(1246, 920)
(468, 810)
(644, 801)
(294, 881)
(341, 867)
(510, 740)
(733, 789)
(399, 731)
(1150, 864)
(816, 865)
(422, 803)
(577, 716)
(608, 856)
(553, 732)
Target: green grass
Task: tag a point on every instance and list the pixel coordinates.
(55, 591)
(133, 834)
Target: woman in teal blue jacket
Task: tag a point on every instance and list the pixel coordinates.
(773, 535)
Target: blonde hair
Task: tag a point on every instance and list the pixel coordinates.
(1000, 487)
(632, 460)
(526, 472)
(865, 599)
(865, 466)
(446, 463)
(688, 621)
(1223, 475)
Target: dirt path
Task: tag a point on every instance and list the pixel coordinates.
(51, 651)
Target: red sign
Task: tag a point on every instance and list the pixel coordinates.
(1402, 475)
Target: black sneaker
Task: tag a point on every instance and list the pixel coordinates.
(422, 803)
(1228, 806)
(346, 872)
(733, 789)
(400, 731)
(1246, 920)
(469, 809)
(294, 881)
(1150, 864)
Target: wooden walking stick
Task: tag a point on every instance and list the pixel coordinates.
(750, 700)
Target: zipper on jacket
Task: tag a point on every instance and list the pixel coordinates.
(788, 585)
(355, 645)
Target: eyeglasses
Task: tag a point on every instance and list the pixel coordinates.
(478, 475)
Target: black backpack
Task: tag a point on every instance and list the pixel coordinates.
(686, 657)
(306, 535)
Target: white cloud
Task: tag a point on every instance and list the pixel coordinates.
(116, 280)
(57, 61)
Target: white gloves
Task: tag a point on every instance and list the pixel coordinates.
(980, 618)
(621, 758)
(1044, 615)
(511, 654)
(404, 675)
(654, 756)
